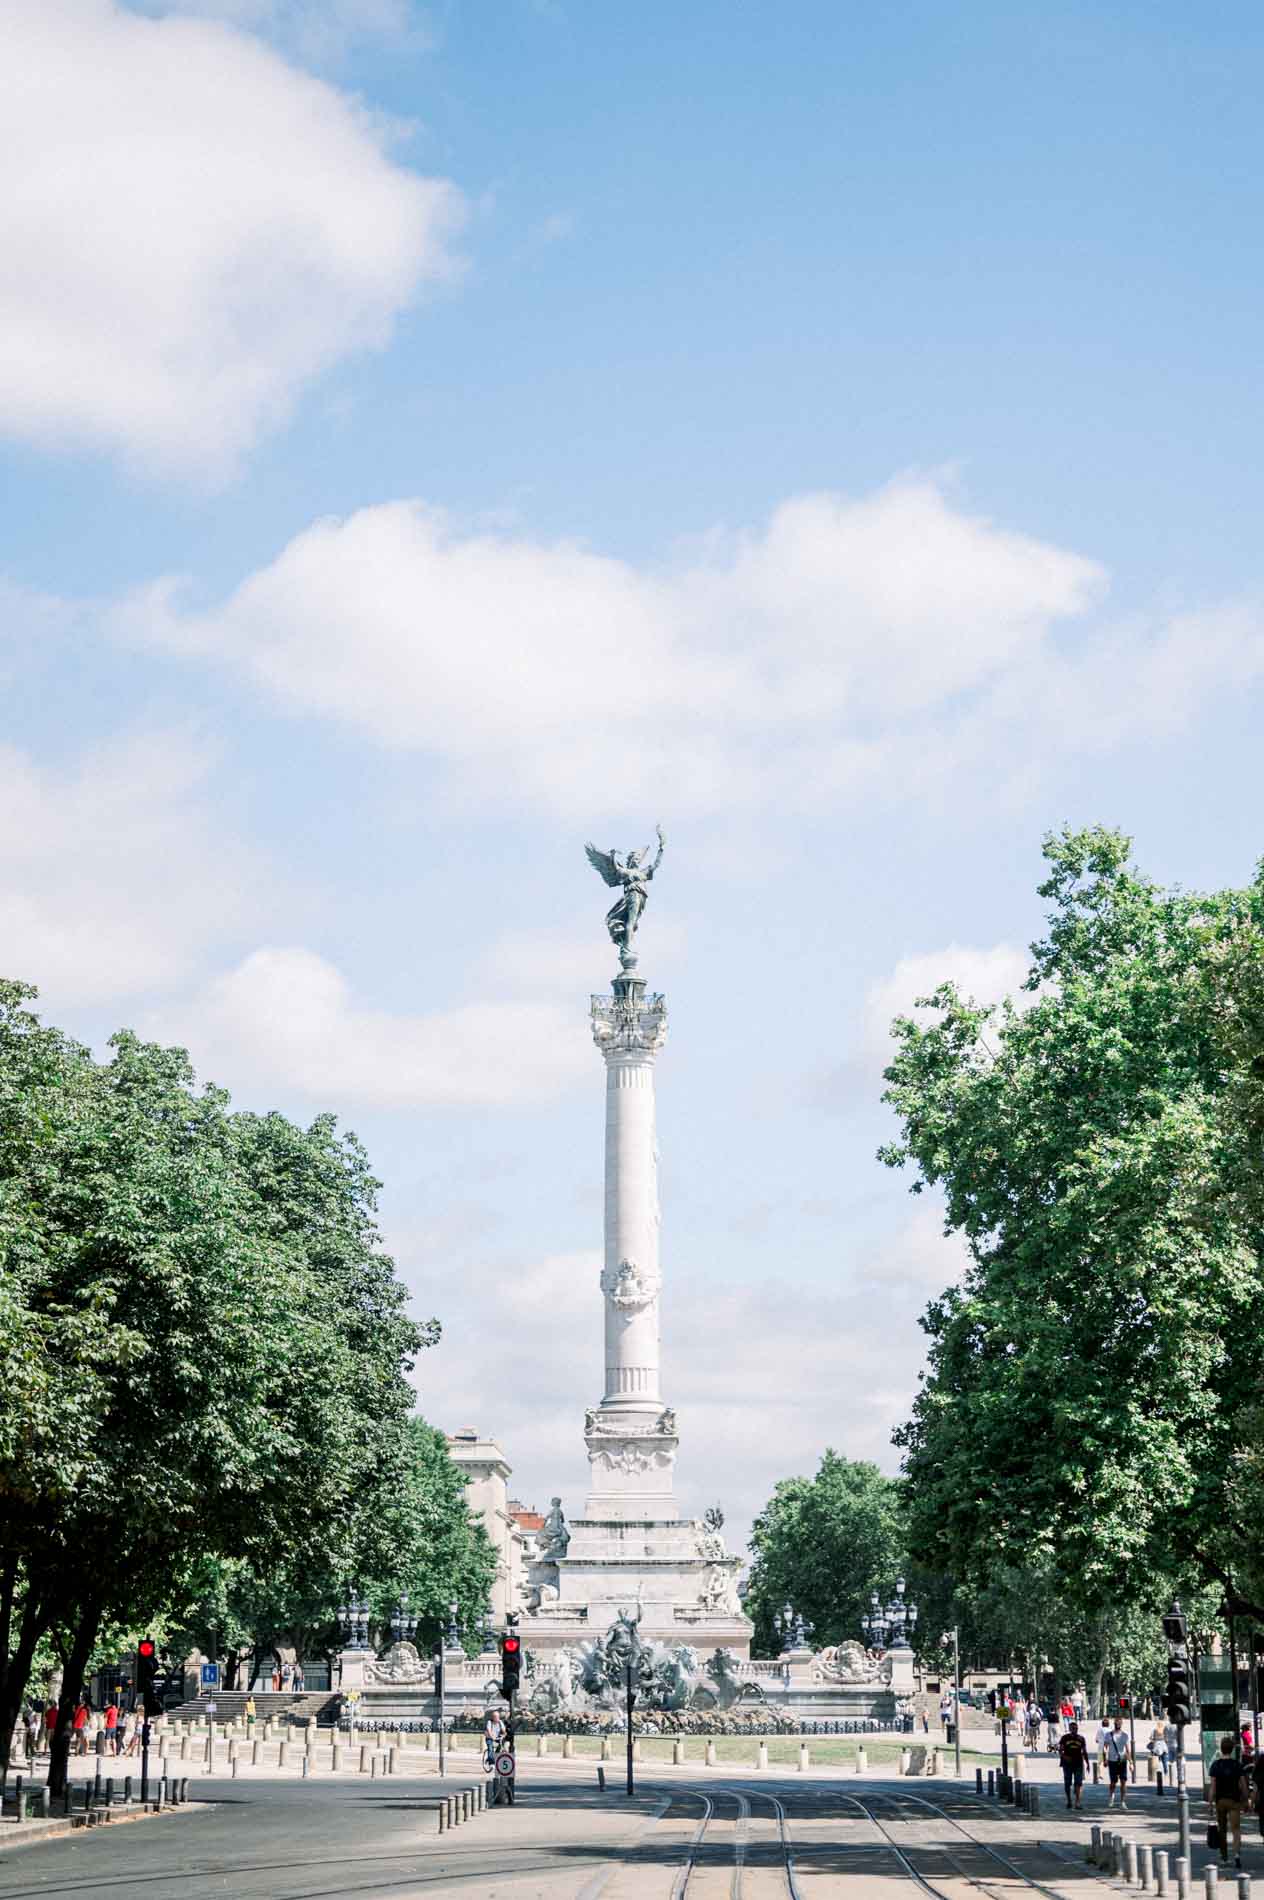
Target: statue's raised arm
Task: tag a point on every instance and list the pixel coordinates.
(630, 875)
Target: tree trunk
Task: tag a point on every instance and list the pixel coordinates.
(15, 1672)
(71, 1683)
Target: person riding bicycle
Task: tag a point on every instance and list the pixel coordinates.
(493, 1736)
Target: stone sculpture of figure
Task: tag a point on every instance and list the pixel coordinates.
(554, 1538)
(630, 876)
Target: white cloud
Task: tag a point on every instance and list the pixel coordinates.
(315, 29)
(784, 667)
(286, 1019)
(763, 1377)
(984, 975)
(191, 229)
(113, 878)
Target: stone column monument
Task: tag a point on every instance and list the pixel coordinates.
(631, 1551)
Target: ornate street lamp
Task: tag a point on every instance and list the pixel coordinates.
(874, 1624)
(783, 1623)
(890, 1628)
(403, 1622)
(453, 1637)
(353, 1620)
(487, 1630)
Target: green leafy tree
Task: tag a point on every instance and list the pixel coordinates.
(1088, 1376)
(208, 1351)
(822, 1544)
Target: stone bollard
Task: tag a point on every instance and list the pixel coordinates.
(678, 1752)
(605, 1748)
(267, 1731)
(283, 1754)
(233, 1764)
(1018, 1766)
(1145, 1867)
(862, 1760)
(1092, 1852)
(568, 1748)
(44, 1799)
(365, 1752)
(443, 1818)
(710, 1755)
(906, 1758)
(392, 1758)
(1160, 1870)
(467, 1804)
(372, 1767)
(541, 1745)
(932, 1762)
(254, 1752)
(232, 1754)
(805, 1760)
(761, 1755)
(636, 1748)
(1130, 1862)
(427, 1741)
(184, 1748)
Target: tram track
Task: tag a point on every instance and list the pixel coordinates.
(742, 1800)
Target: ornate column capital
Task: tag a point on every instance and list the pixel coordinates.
(629, 1023)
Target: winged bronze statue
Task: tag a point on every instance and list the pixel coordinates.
(630, 875)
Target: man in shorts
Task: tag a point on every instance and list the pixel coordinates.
(1117, 1750)
(1225, 1786)
(1073, 1756)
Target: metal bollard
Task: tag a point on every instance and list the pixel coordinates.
(1211, 1881)
(254, 1752)
(337, 1757)
(305, 1770)
(365, 1752)
(1130, 1862)
(443, 1818)
(1145, 1867)
(1094, 1849)
(127, 1788)
(978, 1781)
(1180, 1870)
(1117, 1854)
(184, 1748)
(1016, 1792)
(1160, 1870)
(45, 1800)
(1033, 1799)
(392, 1759)
(991, 1773)
(372, 1768)
(283, 1755)
(87, 1797)
(68, 1798)
(109, 1791)
(467, 1803)
(184, 1787)
(1244, 1887)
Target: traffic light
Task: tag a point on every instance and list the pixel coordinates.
(1123, 1705)
(146, 1673)
(1180, 1686)
(510, 1663)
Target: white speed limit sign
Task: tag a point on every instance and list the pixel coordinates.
(505, 1763)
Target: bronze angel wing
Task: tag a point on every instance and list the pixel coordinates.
(603, 863)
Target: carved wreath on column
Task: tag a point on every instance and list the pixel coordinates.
(628, 1288)
(628, 1457)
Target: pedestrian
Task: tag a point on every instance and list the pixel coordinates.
(111, 1721)
(1257, 1776)
(1077, 1704)
(1226, 1790)
(945, 1711)
(287, 1675)
(1156, 1748)
(249, 1710)
(50, 1725)
(493, 1736)
(276, 1677)
(1033, 1723)
(300, 1681)
(1117, 1751)
(79, 1722)
(1073, 1759)
(135, 1733)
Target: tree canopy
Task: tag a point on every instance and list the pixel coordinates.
(204, 1355)
(822, 1544)
(1093, 1375)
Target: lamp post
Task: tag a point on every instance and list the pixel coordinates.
(633, 1671)
(487, 1633)
(403, 1622)
(1180, 1684)
(953, 1636)
(353, 1619)
(452, 1640)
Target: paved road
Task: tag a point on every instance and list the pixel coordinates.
(687, 1836)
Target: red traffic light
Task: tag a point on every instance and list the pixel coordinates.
(1123, 1701)
(146, 1647)
(512, 1645)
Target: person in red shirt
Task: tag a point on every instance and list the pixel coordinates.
(80, 1726)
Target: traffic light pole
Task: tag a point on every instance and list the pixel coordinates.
(956, 1699)
(1182, 1794)
(631, 1700)
(439, 1672)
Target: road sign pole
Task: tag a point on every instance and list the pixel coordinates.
(956, 1699)
(631, 1700)
(144, 1760)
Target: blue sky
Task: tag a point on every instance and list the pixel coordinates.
(431, 436)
